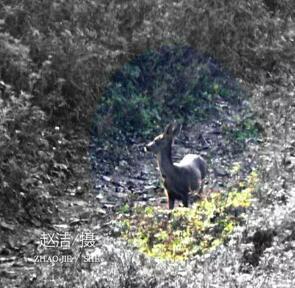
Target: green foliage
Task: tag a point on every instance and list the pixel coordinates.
(124, 209)
(184, 232)
(243, 129)
(169, 83)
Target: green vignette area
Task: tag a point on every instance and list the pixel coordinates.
(173, 82)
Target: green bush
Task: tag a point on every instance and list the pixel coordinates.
(244, 127)
(169, 83)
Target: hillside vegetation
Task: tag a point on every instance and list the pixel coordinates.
(83, 84)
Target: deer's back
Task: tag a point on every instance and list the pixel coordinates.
(193, 162)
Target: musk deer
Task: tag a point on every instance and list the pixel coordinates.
(179, 178)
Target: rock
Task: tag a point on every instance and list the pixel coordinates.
(215, 131)
(7, 259)
(61, 226)
(100, 196)
(100, 211)
(149, 188)
(289, 163)
(108, 205)
(8, 274)
(123, 163)
(121, 195)
(6, 226)
(106, 178)
(220, 171)
(75, 221)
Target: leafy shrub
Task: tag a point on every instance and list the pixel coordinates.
(18, 139)
(185, 232)
(30, 161)
(172, 82)
(14, 62)
(244, 128)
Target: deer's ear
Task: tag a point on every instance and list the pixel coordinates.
(176, 129)
(169, 129)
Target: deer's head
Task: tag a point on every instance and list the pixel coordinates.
(164, 140)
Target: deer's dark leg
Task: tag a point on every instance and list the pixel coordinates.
(202, 194)
(201, 187)
(185, 200)
(171, 203)
(170, 200)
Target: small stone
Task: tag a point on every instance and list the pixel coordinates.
(106, 178)
(220, 171)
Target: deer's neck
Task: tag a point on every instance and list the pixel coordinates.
(165, 162)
